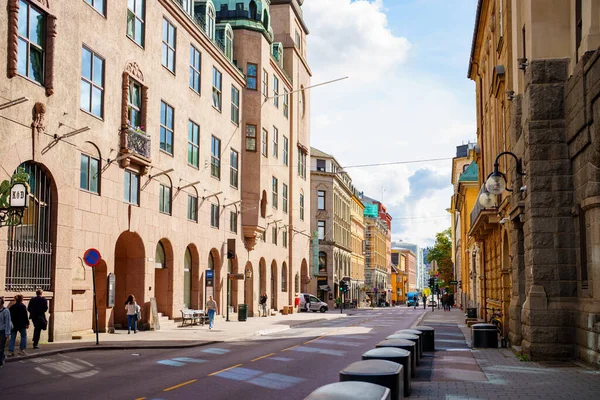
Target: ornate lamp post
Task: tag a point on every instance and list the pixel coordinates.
(496, 182)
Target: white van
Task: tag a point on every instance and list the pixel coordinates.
(315, 303)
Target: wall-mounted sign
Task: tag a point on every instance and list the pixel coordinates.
(210, 275)
(92, 257)
(18, 195)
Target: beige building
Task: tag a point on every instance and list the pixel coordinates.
(376, 267)
(143, 131)
(535, 65)
(331, 202)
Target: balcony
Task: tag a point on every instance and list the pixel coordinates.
(136, 147)
(483, 220)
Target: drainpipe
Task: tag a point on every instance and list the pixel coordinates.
(483, 285)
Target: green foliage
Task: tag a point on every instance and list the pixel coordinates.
(441, 253)
(523, 357)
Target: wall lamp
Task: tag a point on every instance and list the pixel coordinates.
(496, 181)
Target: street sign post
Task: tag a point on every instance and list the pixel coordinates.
(92, 258)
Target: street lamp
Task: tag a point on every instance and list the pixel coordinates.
(496, 181)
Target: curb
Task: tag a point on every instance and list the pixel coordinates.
(109, 347)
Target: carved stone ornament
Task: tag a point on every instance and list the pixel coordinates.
(39, 116)
(134, 70)
(249, 242)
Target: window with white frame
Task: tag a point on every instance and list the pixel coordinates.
(297, 41)
(274, 235)
(275, 142)
(265, 143)
(168, 45)
(320, 199)
(301, 207)
(134, 104)
(252, 76)
(233, 221)
(217, 89)
(132, 187)
(92, 83)
(285, 154)
(321, 230)
(275, 190)
(98, 5)
(284, 197)
(275, 91)
(214, 216)
(233, 170)
(250, 137)
(164, 199)
(135, 20)
(265, 84)
(301, 163)
(193, 144)
(166, 127)
(89, 174)
(215, 157)
(229, 43)
(195, 68)
(31, 51)
(284, 238)
(192, 208)
(210, 22)
(235, 105)
(286, 102)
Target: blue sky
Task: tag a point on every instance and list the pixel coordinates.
(407, 98)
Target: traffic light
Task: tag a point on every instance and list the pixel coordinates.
(437, 287)
(343, 286)
(431, 282)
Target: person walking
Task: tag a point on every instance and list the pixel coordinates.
(424, 301)
(4, 329)
(20, 321)
(37, 308)
(451, 301)
(307, 302)
(132, 309)
(263, 304)
(211, 306)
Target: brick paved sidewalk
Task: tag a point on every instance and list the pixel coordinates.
(455, 371)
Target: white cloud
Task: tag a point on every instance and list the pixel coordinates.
(388, 111)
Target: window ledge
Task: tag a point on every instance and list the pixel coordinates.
(166, 152)
(219, 110)
(216, 177)
(30, 80)
(167, 68)
(90, 114)
(89, 191)
(134, 42)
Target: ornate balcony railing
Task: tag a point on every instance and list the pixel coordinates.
(138, 142)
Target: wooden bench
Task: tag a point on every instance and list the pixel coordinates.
(193, 317)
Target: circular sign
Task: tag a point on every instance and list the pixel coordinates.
(92, 257)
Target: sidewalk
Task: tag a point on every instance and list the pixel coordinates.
(182, 337)
(455, 371)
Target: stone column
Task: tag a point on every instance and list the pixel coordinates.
(549, 237)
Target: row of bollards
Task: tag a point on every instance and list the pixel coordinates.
(386, 372)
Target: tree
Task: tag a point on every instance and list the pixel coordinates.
(441, 253)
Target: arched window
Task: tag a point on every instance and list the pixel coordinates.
(297, 283)
(253, 10)
(229, 42)
(160, 261)
(266, 19)
(284, 277)
(211, 261)
(263, 204)
(322, 262)
(210, 21)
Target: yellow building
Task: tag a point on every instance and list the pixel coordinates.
(399, 277)
(357, 262)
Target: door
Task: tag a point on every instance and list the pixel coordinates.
(315, 304)
(187, 279)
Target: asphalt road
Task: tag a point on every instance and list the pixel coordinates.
(288, 364)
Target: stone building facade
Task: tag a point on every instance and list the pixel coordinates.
(141, 131)
(546, 247)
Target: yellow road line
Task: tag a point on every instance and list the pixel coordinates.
(223, 370)
(289, 348)
(141, 398)
(180, 385)
(260, 358)
(310, 341)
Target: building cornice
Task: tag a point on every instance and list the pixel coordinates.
(475, 34)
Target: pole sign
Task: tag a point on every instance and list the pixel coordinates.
(92, 257)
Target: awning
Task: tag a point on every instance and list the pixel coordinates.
(325, 288)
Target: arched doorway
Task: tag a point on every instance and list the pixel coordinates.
(232, 267)
(274, 290)
(187, 279)
(163, 277)
(262, 276)
(304, 278)
(100, 272)
(214, 263)
(130, 274)
(196, 283)
(249, 288)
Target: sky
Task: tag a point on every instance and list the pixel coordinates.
(407, 98)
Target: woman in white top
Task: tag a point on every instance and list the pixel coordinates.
(132, 309)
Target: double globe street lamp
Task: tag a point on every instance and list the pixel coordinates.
(496, 182)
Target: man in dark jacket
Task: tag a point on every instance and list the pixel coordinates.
(18, 314)
(37, 314)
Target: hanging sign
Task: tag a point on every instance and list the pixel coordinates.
(18, 195)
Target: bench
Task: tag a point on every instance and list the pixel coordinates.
(193, 317)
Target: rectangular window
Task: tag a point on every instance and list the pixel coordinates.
(301, 163)
(285, 151)
(251, 137)
(275, 142)
(274, 235)
(251, 76)
(235, 105)
(132, 187)
(88, 173)
(166, 127)
(265, 84)
(233, 172)
(214, 216)
(265, 143)
(216, 90)
(92, 83)
(135, 20)
(233, 221)
(97, 4)
(164, 199)
(193, 144)
(168, 45)
(297, 41)
(192, 208)
(134, 104)
(31, 42)
(321, 165)
(301, 207)
(284, 197)
(284, 238)
(578, 28)
(286, 102)
(215, 157)
(320, 199)
(275, 196)
(195, 67)
(321, 229)
(276, 91)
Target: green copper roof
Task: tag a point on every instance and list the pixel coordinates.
(471, 174)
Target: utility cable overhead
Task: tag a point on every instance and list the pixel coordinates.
(397, 163)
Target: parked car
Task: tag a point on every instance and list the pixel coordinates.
(315, 303)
